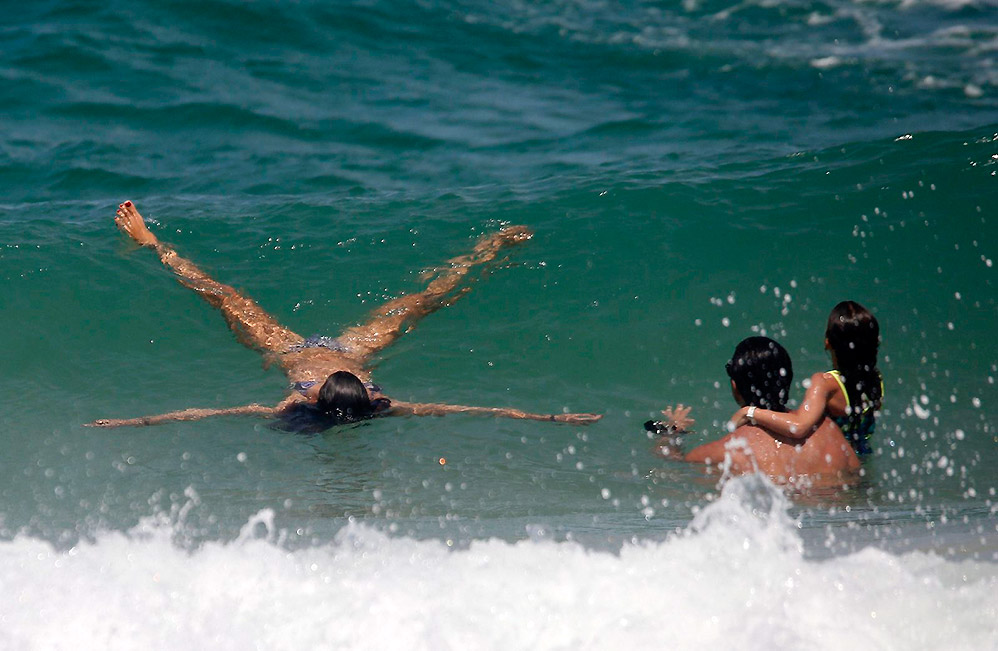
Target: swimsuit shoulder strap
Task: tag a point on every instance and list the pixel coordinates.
(842, 385)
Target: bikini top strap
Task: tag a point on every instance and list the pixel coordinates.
(842, 385)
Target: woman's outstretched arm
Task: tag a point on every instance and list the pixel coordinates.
(186, 414)
(731, 450)
(797, 424)
(399, 408)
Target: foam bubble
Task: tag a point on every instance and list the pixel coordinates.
(973, 91)
(824, 63)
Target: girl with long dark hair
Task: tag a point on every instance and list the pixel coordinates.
(851, 394)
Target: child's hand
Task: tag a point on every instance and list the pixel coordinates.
(738, 419)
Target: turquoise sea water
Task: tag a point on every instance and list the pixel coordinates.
(695, 173)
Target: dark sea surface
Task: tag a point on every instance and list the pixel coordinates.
(694, 172)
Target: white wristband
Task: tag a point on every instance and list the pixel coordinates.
(750, 414)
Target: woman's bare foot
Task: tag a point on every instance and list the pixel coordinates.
(131, 224)
(486, 249)
(489, 246)
(506, 237)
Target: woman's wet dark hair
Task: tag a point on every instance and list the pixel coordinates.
(762, 372)
(853, 334)
(344, 397)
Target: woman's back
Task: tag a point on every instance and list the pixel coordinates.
(825, 453)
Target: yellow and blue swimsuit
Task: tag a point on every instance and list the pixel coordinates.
(858, 432)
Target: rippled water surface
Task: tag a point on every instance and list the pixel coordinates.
(694, 172)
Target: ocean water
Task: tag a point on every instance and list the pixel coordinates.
(694, 172)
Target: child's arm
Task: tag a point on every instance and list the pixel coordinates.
(798, 424)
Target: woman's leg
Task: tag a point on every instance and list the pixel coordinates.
(396, 317)
(252, 326)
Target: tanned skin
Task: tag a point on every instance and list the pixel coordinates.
(260, 331)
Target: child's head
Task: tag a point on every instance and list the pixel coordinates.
(853, 336)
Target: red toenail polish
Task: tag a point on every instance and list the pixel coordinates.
(128, 203)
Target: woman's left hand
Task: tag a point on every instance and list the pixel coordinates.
(679, 417)
(577, 419)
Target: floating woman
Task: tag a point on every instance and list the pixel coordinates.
(330, 377)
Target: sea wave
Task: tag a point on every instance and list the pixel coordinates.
(737, 576)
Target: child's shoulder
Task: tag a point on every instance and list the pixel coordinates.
(827, 380)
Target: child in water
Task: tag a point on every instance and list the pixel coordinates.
(850, 394)
(761, 373)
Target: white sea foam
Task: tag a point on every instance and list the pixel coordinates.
(737, 576)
